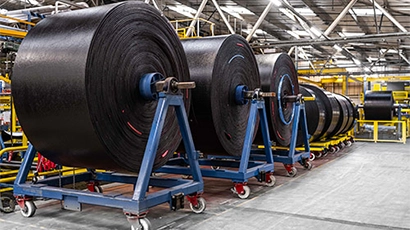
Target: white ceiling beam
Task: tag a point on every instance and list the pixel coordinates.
(389, 16)
(223, 16)
(339, 18)
(260, 20)
(198, 13)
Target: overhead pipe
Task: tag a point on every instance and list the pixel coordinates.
(332, 41)
(260, 20)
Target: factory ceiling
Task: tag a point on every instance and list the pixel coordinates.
(360, 36)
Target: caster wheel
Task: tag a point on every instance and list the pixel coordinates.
(348, 143)
(215, 167)
(319, 154)
(337, 149)
(8, 202)
(246, 192)
(272, 182)
(29, 209)
(186, 176)
(312, 157)
(293, 172)
(308, 165)
(98, 189)
(143, 224)
(200, 207)
(332, 150)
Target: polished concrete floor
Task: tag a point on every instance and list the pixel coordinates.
(365, 186)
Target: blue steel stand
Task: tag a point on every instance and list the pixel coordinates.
(136, 207)
(290, 156)
(244, 168)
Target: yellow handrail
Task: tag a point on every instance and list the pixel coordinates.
(17, 20)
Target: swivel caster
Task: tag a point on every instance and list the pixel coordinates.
(332, 150)
(94, 186)
(308, 165)
(29, 209)
(243, 191)
(8, 202)
(325, 152)
(337, 149)
(142, 224)
(271, 181)
(292, 171)
(98, 189)
(312, 156)
(319, 154)
(199, 207)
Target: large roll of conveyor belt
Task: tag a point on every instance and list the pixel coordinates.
(378, 105)
(278, 74)
(332, 109)
(349, 113)
(76, 82)
(218, 65)
(343, 118)
(315, 115)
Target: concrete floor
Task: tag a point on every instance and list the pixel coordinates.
(365, 186)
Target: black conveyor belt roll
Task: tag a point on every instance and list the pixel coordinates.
(218, 65)
(315, 115)
(378, 105)
(348, 112)
(76, 82)
(343, 118)
(278, 74)
(332, 109)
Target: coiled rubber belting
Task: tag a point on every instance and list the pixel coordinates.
(336, 111)
(278, 74)
(315, 115)
(347, 114)
(332, 109)
(76, 82)
(218, 65)
(378, 105)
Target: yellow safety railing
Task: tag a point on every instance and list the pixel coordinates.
(64, 171)
(181, 28)
(400, 96)
(369, 130)
(18, 148)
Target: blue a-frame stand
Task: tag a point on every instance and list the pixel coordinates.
(242, 168)
(134, 207)
(289, 156)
